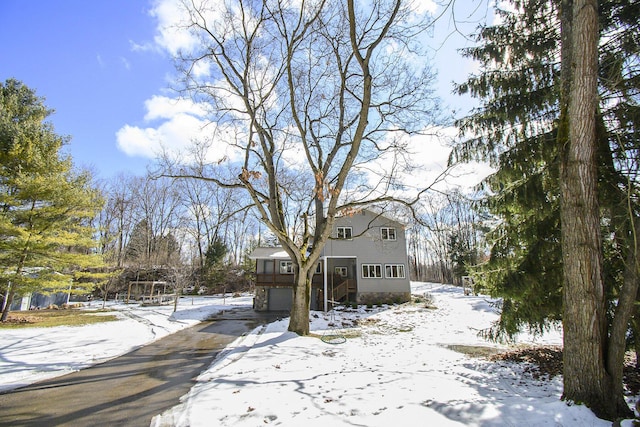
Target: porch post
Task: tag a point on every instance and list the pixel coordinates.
(324, 282)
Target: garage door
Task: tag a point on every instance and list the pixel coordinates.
(280, 299)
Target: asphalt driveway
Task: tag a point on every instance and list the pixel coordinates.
(129, 390)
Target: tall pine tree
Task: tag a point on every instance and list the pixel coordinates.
(517, 130)
(46, 208)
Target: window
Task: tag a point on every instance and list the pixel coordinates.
(344, 233)
(286, 267)
(388, 233)
(394, 271)
(371, 271)
(341, 271)
(318, 268)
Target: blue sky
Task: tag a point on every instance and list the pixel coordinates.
(80, 56)
(103, 67)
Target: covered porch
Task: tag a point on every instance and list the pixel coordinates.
(334, 281)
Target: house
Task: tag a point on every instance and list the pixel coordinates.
(364, 261)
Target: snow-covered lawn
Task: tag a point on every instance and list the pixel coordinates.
(398, 366)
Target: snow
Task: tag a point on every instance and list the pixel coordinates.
(397, 364)
(34, 354)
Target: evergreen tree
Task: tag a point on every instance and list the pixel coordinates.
(515, 132)
(517, 129)
(46, 208)
(148, 249)
(213, 272)
(140, 245)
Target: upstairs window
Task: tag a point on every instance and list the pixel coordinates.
(345, 233)
(286, 267)
(388, 233)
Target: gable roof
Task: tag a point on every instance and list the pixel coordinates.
(376, 213)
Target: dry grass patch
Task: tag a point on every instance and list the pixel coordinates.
(51, 318)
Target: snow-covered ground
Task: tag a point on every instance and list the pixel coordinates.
(399, 364)
(396, 365)
(34, 354)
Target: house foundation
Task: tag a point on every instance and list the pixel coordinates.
(379, 298)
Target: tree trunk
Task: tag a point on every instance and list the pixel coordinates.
(620, 325)
(7, 303)
(299, 321)
(586, 379)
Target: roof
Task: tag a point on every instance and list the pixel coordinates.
(268, 253)
(377, 212)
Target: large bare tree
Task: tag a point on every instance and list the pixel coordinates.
(317, 99)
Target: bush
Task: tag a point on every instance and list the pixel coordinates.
(426, 299)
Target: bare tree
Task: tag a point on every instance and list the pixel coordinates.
(159, 209)
(205, 205)
(317, 98)
(116, 220)
(444, 240)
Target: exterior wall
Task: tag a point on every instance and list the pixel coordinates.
(370, 248)
(269, 277)
(366, 246)
(260, 302)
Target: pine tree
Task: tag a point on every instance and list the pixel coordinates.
(515, 131)
(520, 129)
(46, 208)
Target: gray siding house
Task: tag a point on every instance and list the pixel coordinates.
(364, 261)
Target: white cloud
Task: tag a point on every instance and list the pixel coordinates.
(423, 6)
(170, 14)
(141, 47)
(180, 123)
(162, 107)
(429, 155)
(171, 127)
(432, 153)
(174, 136)
(125, 63)
(173, 34)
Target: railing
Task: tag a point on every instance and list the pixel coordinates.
(343, 290)
(282, 279)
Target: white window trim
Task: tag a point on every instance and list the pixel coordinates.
(398, 268)
(341, 271)
(286, 267)
(368, 267)
(388, 229)
(344, 233)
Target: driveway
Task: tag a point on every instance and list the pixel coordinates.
(129, 390)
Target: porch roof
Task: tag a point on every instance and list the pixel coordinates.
(268, 253)
(279, 253)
